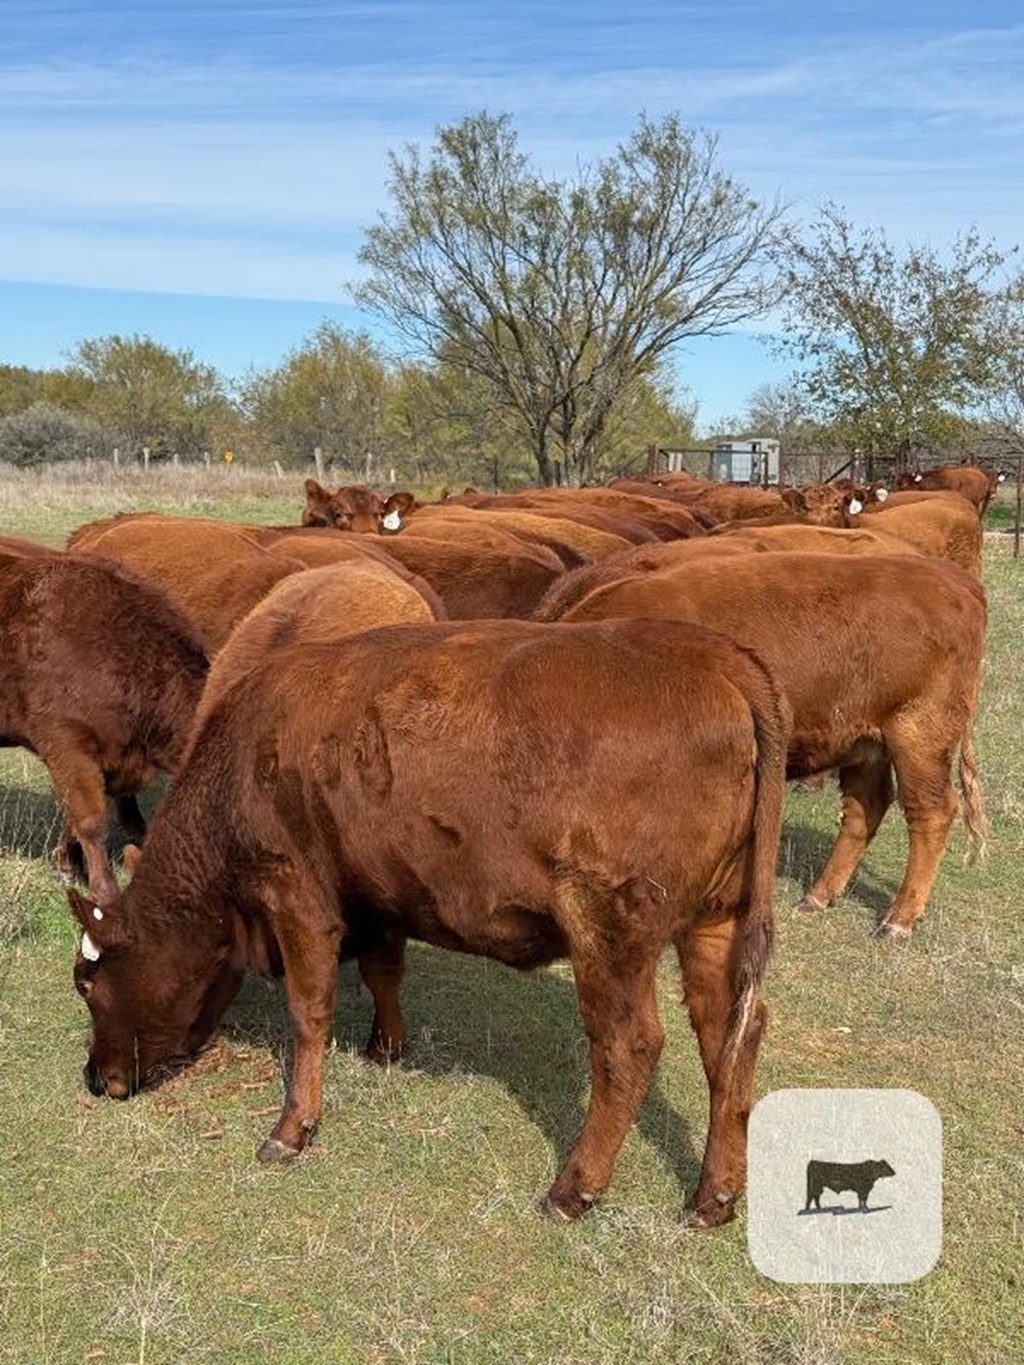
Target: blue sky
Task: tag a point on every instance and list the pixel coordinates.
(203, 172)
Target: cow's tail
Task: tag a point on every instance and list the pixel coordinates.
(772, 723)
(972, 804)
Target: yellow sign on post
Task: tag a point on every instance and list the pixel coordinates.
(229, 457)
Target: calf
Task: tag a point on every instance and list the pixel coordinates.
(972, 483)
(354, 507)
(880, 658)
(423, 782)
(100, 677)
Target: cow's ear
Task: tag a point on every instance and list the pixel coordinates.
(132, 856)
(794, 499)
(317, 500)
(402, 503)
(102, 926)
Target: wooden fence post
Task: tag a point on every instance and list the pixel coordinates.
(145, 458)
(278, 470)
(318, 460)
(1016, 520)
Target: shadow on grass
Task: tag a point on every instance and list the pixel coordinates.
(805, 851)
(469, 1015)
(31, 820)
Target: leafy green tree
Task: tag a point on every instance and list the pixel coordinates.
(152, 396)
(897, 346)
(330, 392)
(561, 295)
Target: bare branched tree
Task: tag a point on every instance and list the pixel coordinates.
(561, 294)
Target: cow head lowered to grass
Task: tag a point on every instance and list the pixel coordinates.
(355, 508)
(420, 781)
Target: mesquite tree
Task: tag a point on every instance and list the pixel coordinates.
(562, 294)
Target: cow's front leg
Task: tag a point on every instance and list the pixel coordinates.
(309, 952)
(620, 1014)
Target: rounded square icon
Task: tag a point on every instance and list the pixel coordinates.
(844, 1186)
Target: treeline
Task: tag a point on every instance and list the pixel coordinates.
(542, 320)
(335, 393)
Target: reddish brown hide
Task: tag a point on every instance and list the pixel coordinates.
(969, 481)
(941, 524)
(889, 681)
(354, 507)
(423, 782)
(100, 677)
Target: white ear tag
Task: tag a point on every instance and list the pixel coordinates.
(392, 521)
(881, 494)
(97, 913)
(89, 950)
(917, 478)
(856, 506)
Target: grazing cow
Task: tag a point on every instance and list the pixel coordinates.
(585, 543)
(212, 571)
(664, 518)
(100, 677)
(880, 659)
(475, 583)
(739, 538)
(975, 484)
(940, 524)
(355, 508)
(313, 607)
(837, 1176)
(422, 782)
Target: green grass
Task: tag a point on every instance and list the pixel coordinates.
(147, 1232)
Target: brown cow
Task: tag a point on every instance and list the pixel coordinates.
(354, 507)
(941, 524)
(421, 782)
(313, 607)
(820, 504)
(100, 677)
(478, 583)
(740, 538)
(975, 484)
(889, 680)
(212, 571)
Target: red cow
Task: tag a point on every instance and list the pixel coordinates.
(100, 677)
(880, 659)
(423, 782)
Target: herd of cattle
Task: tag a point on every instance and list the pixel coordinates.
(542, 725)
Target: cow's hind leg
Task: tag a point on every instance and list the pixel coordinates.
(308, 932)
(924, 774)
(729, 1028)
(381, 968)
(867, 793)
(620, 1014)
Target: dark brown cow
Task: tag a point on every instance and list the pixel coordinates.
(422, 782)
(972, 483)
(100, 677)
(889, 680)
(354, 507)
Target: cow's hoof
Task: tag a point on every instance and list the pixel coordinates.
(810, 906)
(383, 1056)
(565, 1208)
(711, 1213)
(889, 930)
(273, 1152)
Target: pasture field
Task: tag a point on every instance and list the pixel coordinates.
(146, 1232)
